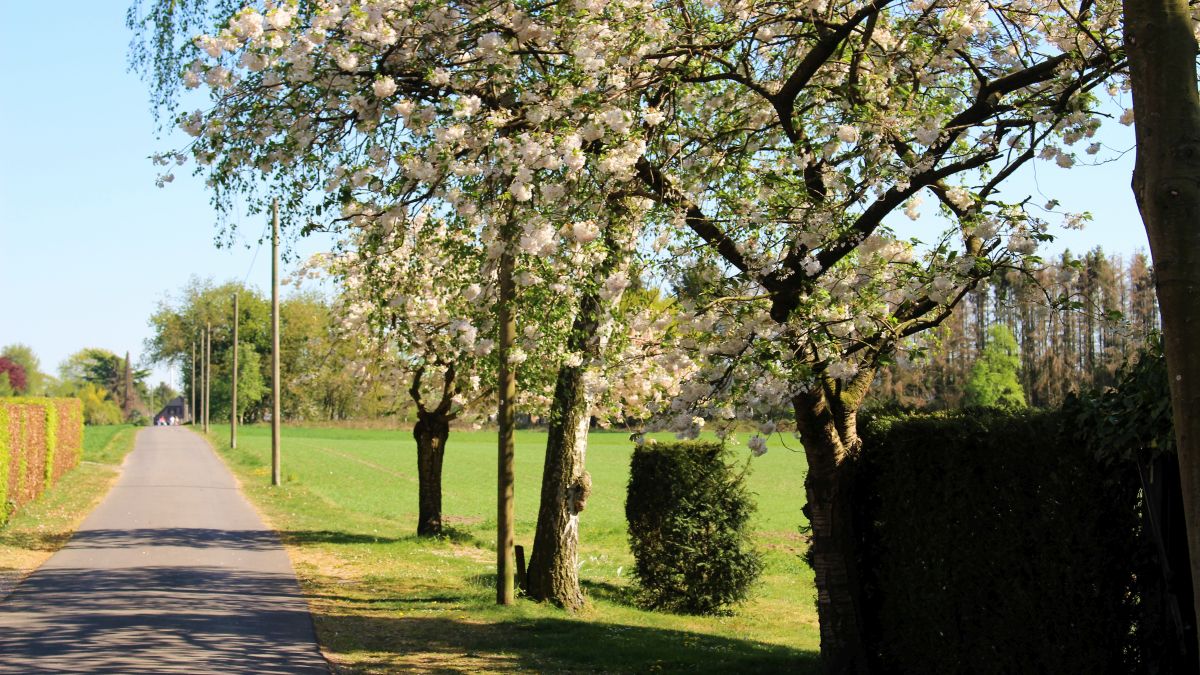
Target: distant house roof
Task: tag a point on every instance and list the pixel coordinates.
(175, 406)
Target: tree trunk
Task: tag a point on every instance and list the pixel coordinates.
(553, 565)
(431, 431)
(826, 420)
(1166, 183)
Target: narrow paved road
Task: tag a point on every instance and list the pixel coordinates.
(173, 572)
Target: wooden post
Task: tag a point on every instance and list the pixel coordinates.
(233, 409)
(192, 410)
(207, 373)
(522, 572)
(275, 478)
(507, 389)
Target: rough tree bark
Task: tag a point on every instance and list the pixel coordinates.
(553, 565)
(431, 431)
(827, 422)
(1162, 51)
(553, 571)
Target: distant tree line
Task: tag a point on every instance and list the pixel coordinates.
(323, 375)
(113, 389)
(1073, 324)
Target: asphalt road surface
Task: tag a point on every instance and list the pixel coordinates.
(173, 572)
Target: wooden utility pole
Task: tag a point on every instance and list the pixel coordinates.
(275, 478)
(127, 388)
(200, 391)
(233, 409)
(192, 410)
(507, 388)
(207, 372)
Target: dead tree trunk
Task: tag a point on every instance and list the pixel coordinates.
(430, 432)
(1166, 183)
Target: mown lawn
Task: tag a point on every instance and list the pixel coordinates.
(42, 527)
(386, 601)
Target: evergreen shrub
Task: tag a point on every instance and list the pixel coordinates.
(688, 511)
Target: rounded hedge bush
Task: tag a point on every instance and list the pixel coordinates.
(688, 511)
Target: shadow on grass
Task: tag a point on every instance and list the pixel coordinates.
(34, 541)
(456, 535)
(625, 595)
(423, 637)
(547, 645)
(306, 537)
(310, 537)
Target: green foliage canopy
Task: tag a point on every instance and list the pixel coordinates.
(252, 386)
(98, 407)
(317, 366)
(22, 355)
(994, 382)
(106, 371)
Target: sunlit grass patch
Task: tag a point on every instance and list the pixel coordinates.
(385, 600)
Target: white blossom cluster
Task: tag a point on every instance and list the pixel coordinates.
(440, 136)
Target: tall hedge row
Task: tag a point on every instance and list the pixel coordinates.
(1005, 542)
(40, 440)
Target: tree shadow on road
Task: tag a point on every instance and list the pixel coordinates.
(157, 618)
(193, 537)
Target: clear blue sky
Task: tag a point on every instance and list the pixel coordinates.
(89, 246)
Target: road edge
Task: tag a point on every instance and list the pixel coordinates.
(287, 548)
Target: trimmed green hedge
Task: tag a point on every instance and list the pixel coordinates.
(5, 453)
(992, 543)
(995, 541)
(51, 442)
(54, 446)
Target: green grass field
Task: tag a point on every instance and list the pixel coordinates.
(385, 600)
(42, 527)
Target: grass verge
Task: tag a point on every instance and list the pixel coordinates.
(386, 601)
(40, 528)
